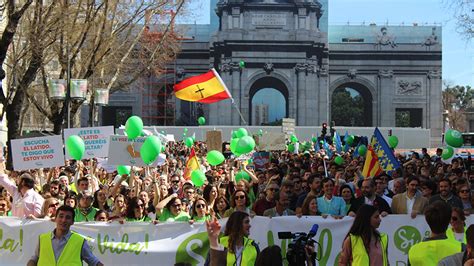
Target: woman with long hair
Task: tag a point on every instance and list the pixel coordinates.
(119, 208)
(136, 211)
(210, 195)
(100, 200)
(200, 211)
(50, 205)
(170, 210)
(221, 206)
(364, 244)
(241, 250)
(310, 206)
(347, 195)
(239, 202)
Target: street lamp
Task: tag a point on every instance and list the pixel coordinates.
(62, 90)
(101, 98)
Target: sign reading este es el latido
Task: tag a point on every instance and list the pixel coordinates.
(96, 140)
(41, 152)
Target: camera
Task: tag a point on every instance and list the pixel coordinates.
(296, 254)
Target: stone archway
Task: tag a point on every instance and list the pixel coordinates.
(272, 96)
(352, 105)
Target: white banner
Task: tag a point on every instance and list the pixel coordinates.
(124, 151)
(143, 243)
(33, 153)
(96, 140)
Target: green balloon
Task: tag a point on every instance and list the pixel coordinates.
(293, 138)
(362, 150)
(233, 145)
(241, 132)
(189, 142)
(215, 157)
(448, 152)
(150, 149)
(339, 160)
(201, 120)
(245, 145)
(134, 127)
(291, 147)
(393, 142)
(75, 147)
(260, 132)
(198, 178)
(185, 130)
(242, 175)
(234, 134)
(242, 64)
(453, 138)
(350, 140)
(314, 139)
(123, 169)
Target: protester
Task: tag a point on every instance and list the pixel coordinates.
(63, 241)
(239, 202)
(282, 206)
(431, 250)
(328, 203)
(101, 216)
(446, 194)
(5, 207)
(465, 258)
(269, 201)
(369, 197)
(347, 195)
(310, 207)
(200, 211)
(169, 210)
(49, 209)
(221, 206)
(85, 212)
(136, 211)
(411, 201)
(457, 230)
(364, 245)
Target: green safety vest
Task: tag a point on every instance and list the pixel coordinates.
(70, 256)
(359, 253)
(249, 254)
(432, 251)
(450, 235)
(90, 217)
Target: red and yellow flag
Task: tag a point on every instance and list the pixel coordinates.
(191, 164)
(371, 166)
(205, 88)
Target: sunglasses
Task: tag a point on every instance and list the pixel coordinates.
(54, 205)
(200, 206)
(189, 192)
(3, 205)
(175, 181)
(239, 197)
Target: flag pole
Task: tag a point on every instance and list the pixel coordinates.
(231, 98)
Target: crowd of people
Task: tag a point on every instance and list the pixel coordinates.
(303, 184)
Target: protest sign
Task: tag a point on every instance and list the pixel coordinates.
(41, 152)
(124, 151)
(261, 159)
(141, 243)
(272, 141)
(96, 140)
(214, 140)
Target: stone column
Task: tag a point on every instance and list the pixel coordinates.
(300, 70)
(434, 111)
(237, 93)
(323, 75)
(386, 93)
(311, 100)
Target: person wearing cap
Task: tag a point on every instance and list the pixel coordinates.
(26, 201)
(85, 212)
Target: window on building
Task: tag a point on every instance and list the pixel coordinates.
(408, 117)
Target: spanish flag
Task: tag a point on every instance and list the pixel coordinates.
(205, 88)
(371, 166)
(191, 164)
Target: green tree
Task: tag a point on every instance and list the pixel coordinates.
(347, 110)
(456, 100)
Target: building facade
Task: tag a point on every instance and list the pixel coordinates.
(288, 46)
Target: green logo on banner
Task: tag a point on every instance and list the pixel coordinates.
(405, 237)
(193, 250)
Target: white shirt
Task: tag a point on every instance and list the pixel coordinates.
(23, 205)
(410, 203)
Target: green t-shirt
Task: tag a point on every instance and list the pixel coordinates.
(167, 216)
(202, 219)
(80, 217)
(143, 219)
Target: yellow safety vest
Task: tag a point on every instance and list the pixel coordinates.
(70, 256)
(432, 251)
(359, 253)
(450, 235)
(249, 254)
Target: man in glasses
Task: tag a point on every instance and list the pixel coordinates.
(26, 201)
(175, 186)
(268, 202)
